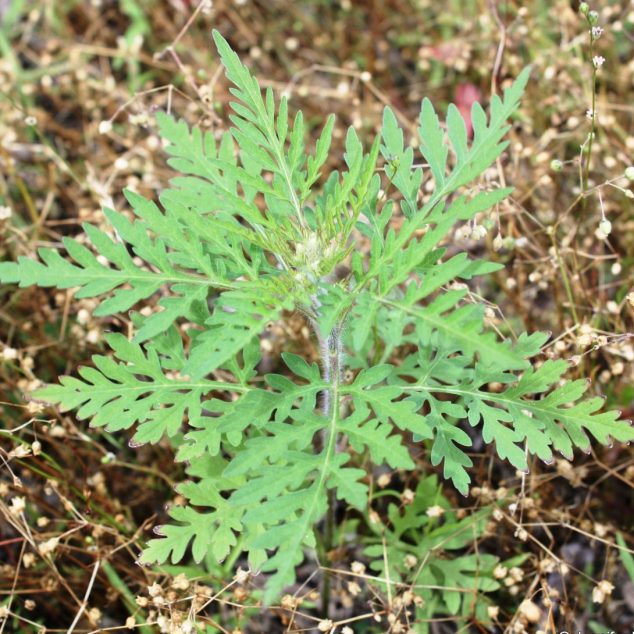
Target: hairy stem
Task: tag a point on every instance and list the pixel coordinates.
(331, 352)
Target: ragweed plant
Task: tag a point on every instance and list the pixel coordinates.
(252, 230)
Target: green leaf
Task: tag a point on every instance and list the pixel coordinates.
(446, 579)
(559, 420)
(433, 146)
(238, 316)
(120, 395)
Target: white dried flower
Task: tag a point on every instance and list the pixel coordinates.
(343, 88)
(180, 582)
(155, 590)
(462, 233)
(598, 61)
(21, 451)
(83, 316)
(478, 232)
(357, 567)
(408, 496)
(602, 590)
(141, 601)
(48, 547)
(187, 627)
(516, 573)
(354, 588)
(9, 354)
(121, 163)
(597, 32)
(435, 511)
(291, 44)
(93, 335)
(17, 506)
(163, 623)
(94, 615)
(606, 226)
(530, 610)
(105, 127)
(241, 576)
(600, 235)
(6, 212)
(410, 561)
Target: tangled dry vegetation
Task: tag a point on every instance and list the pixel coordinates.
(80, 82)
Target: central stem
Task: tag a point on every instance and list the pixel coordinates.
(331, 352)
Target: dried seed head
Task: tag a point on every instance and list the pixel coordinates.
(602, 590)
(531, 611)
(357, 567)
